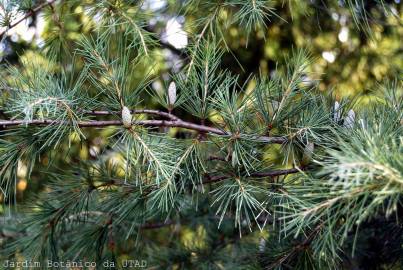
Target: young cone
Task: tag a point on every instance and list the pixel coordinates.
(172, 94)
(126, 117)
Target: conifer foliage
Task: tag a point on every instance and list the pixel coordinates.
(208, 170)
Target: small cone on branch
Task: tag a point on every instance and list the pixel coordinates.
(349, 120)
(336, 112)
(308, 152)
(171, 94)
(126, 117)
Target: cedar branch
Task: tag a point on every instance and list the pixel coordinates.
(148, 123)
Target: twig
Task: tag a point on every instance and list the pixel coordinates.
(218, 178)
(149, 123)
(208, 178)
(198, 42)
(166, 45)
(157, 225)
(27, 15)
(214, 178)
(276, 173)
(143, 111)
(216, 158)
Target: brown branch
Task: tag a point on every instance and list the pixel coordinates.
(157, 225)
(215, 178)
(149, 123)
(276, 173)
(212, 157)
(142, 111)
(208, 178)
(218, 178)
(27, 15)
(46, 122)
